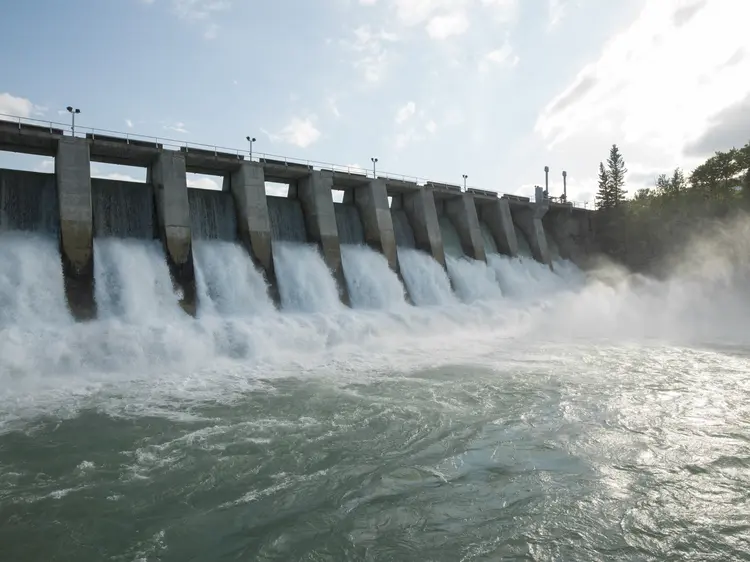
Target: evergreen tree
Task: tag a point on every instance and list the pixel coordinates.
(603, 195)
(616, 171)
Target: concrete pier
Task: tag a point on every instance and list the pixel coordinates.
(496, 215)
(372, 202)
(73, 175)
(168, 176)
(420, 209)
(314, 192)
(247, 185)
(573, 231)
(462, 212)
(528, 217)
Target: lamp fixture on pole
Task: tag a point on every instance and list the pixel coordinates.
(73, 112)
(374, 161)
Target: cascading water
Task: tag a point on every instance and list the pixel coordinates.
(402, 229)
(349, 224)
(122, 209)
(28, 202)
(212, 215)
(490, 246)
(524, 277)
(472, 279)
(287, 219)
(31, 281)
(305, 282)
(132, 281)
(426, 281)
(451, 240)
(228, 283)
(552, 245)
(371, 282)
(524, 249)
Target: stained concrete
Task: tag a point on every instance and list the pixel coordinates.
(372, 202)
(249, 191)
(496, 215)
(572, 229)
(314, 192)
(168, 176)
(420, 209)
(73, 174)
(462, 212)
(528, 217)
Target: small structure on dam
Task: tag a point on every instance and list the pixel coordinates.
(381, 213)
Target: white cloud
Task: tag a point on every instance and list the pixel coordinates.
(405, 112)
(299, 132)
(333, 106)
(447, 25)
(371, 53)
(202, 182)
(502, 57)
(405, 138)
(129, 123)
(178, 127)
(555, 13)
(431, 127)
(368, 2)
(656, 87)
(419, 12)
(16, 106)
(199, 9)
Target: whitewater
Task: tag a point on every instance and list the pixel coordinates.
(483, 411)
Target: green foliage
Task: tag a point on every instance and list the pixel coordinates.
(611, 192)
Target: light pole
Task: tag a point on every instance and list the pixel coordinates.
(465, 176)
(374, 161)
(546, 181)
(565, 186)
(251, 140)
(73, 112)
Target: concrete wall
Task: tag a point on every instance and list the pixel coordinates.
(496, 215)
(249, 191)
(372, 202)
(420, 209)
(528, 217)
(314, 192)
(168, 176)
(462, 212)
(573, 232)
(73, 173)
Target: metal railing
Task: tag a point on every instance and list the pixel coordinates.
(175, 144)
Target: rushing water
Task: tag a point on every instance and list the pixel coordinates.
(598, 418)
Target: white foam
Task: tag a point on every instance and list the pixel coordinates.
(371, 282)
(473, 280)
(305, 282)
(425, 280)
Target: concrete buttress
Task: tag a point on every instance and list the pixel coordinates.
(249, 191)
(168, 176)
(496, 215)
(315, 194)
(372, 202)
(422, 214)
(462, 211)
(73, 174)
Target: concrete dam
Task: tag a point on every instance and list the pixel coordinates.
(241, 249)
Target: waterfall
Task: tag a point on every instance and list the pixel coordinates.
(287, 219)
(371, 282)
(132, 281)
(305, 282)
(552, 245)
(490, 246)
(123, 209)
(212, 215)
(451, 240)
(31, 281)
(425, 279)
(524, 277)
(228, 283)
(349, 224)
(472, 279)
(402, 229)
(524, 249)
(28, 202)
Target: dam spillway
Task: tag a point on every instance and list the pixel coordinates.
(386, 241)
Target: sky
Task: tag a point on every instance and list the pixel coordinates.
(494, 89)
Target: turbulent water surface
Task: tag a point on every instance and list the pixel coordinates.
(562, 417)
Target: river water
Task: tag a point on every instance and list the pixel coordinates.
(603, 419)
